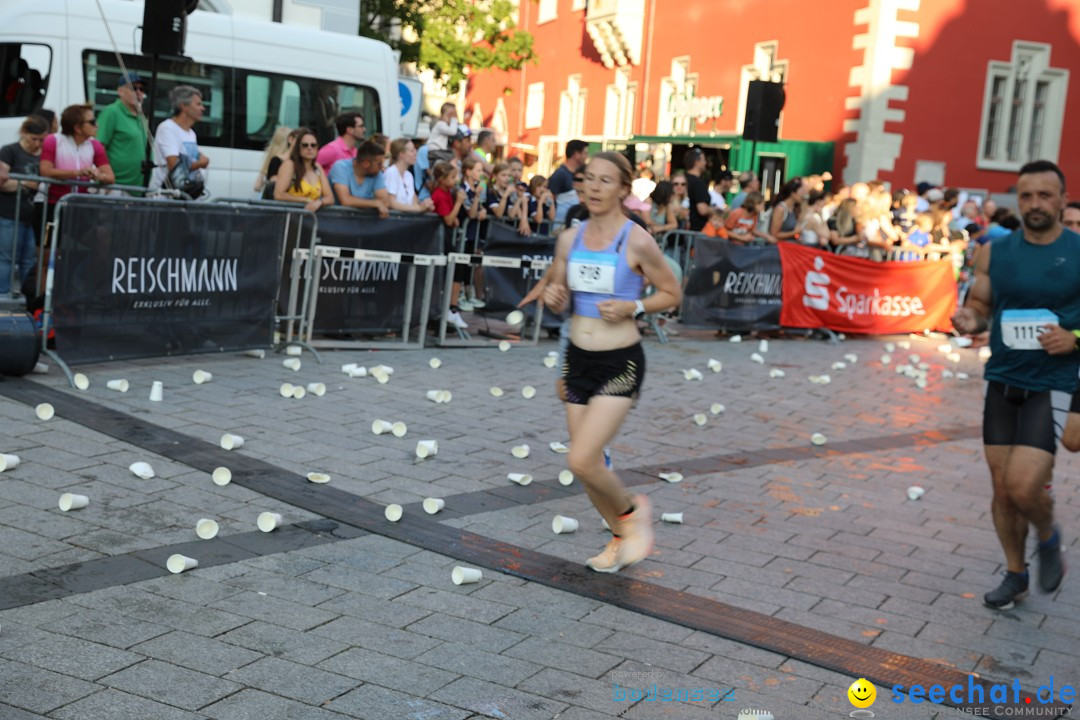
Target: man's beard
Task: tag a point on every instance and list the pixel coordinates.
(1038, 220)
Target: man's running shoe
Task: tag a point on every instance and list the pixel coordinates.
(608, 559)
(1014, 587)
(1051, 564)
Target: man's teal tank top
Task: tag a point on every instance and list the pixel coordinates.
(1025, 276)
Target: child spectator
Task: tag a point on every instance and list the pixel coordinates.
(503, 200)
(442, 132)
(716, 227)
(449, 199)
(541, 205)
(742, 222)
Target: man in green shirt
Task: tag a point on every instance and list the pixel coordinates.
(122, 130)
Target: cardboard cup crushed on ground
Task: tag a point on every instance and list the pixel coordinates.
(179, 563)
(317, 389)
(269, 521)
(255, 353)
(693, 374)
(81, 381)
(818, 439)
(504, 345)
(427, 448)
(294, 350)
(201, 376)
(393, 512)
(515, 318)
(947, 374)
(45, 411)
(528, 392)
(142, 469)
(520, 451)
(776, 373)
(8, 461)
(381, 426)
(519, 478)
(550, 361)
(558, 447)
(671, 477)
(318, 478)
(915, 492)
(286, 390)
(118, 385)
(231, 442)
(839, 366)
(399, 429)
(291, 363)
(820, 379)
(716, 408)
(433, 505)
(671, 518)
(566, 478)
(434, 363)
(221, 476)
(69, 501)
(735, 338)
(962, 376)
(157, 391)
(496, 392)
(851, 358)
(465, 576)
(561, 524)
(756, 357)
(700, 419)
(381, 376)
(206, 529)
(715, 365)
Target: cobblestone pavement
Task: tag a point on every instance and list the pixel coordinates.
(362, 626)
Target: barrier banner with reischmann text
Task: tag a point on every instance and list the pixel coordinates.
(732, 286)
(852, 295)
(136, 279)
(505, 287)
(368, 297)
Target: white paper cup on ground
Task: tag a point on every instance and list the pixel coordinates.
(904, 345)
(716, 409)
(520, 478)
(700, 419)
(671, 477)
(504, 345)
(558, 447)
(347, 368)
(381, 376)
(520, 451)
(317, 389)
(269, 521)
(291, 363)
(528, 392)
(45, 411)
(358, 371)
(433, 505)
(380, 427)
(566, 478)
(777, 373)
(393, 512)
(384, 369)
(231, 442)
(839, 365)
(256, 353)
(40, 368)
(496, 392)
(693, 374)
(81, 381)
(551, 361)
(118, 385)
(70, 501)
(890, 347)
(915, 492)
(886, 359)
(466, 576)
(735, 339)
(818, 439)
(515, 318)
(671, 518)
(962, 376)
(201, 376)
(851, 358)
(206, 529)
(756, 357)
(446, 397)
(298, 392)
(157, 391)
(8, 461)
(179, 563)
(435, 396)
(294, 350)
(318, 478)
(434, 363)
(715, 365)
(763, 346)
(286, 390)
(221, 476)
(399, 429)
(142, 469)
(561, 524)
(427, 448)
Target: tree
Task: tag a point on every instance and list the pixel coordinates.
(454, 37)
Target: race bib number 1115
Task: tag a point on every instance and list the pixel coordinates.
(1020, 329)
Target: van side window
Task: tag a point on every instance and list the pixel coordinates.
(266, 100)
(24, 77)
(102, 72)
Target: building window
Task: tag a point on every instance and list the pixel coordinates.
(549, 10)
(1023, 109)
(572, 108)
(620, 104)
(534, 106)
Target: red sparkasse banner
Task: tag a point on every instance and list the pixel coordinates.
(822, 290)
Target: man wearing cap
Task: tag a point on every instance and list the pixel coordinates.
(122, 130)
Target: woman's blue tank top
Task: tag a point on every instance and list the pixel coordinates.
(595, 276)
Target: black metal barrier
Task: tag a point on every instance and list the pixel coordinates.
(130, 277)
(732, 287)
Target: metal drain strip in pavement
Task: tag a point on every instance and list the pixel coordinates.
(831, 652)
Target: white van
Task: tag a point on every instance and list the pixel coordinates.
(253, 76)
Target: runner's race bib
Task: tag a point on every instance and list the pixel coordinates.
(1020, 329)
(592, 272)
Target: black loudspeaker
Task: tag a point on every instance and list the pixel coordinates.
(764, 101)
(164, 27)
(20, 344)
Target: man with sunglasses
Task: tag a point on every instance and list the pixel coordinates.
(122, 130)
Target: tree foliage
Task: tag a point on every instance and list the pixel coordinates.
(455, 37)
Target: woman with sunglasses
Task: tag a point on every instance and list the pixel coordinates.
(680, 201)
(74, 153)
(301, 178)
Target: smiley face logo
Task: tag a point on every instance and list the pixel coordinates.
(862, 693)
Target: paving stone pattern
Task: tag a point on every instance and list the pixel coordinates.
(369, 627)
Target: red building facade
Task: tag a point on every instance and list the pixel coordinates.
(957, 92)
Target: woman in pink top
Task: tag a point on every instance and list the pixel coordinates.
(74, 154)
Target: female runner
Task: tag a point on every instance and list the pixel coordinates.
(601, 268)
